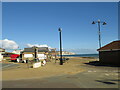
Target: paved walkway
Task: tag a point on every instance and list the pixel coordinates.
(102, 77)
(4, 66)
(91, 77)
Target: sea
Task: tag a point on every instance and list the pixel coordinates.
(82, 55)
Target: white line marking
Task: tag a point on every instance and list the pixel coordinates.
(7, 65)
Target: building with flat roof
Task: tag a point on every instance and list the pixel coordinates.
(35, 52)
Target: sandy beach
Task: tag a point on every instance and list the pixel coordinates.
(50, 69)
(74, 66)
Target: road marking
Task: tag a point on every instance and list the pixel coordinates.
(7, 65)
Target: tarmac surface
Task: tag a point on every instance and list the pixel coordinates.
(4, 66)
(92, 77)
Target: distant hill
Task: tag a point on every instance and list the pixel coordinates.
(65, 53)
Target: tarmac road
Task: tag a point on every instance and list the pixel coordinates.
(4, 66)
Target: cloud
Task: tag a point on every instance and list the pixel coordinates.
(37, 45)
(8, 44)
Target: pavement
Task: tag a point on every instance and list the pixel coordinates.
(93, 77)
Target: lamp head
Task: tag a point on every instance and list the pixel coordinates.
(98, 20)
(104, 23)
(59, 29)
(93, 22)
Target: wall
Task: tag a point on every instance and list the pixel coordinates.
(30, 58)
(109, 57)
(32, 53)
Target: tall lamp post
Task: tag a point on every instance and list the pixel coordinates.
(36, 52)
(60, 32)
(103, 23)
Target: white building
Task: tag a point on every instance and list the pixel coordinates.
(17, 51)
(1, 52)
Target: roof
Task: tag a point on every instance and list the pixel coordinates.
(8, 53)
(2, 50)
(43, 49)
(17, 51)
(40, 49)
(115, 45)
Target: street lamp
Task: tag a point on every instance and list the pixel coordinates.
(103, 23)
(60, 32)
(36, 52)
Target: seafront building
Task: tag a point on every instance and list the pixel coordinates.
(4, 55)
(109, 53)
(52, 53)
(2, 51)
(35, 52)
(17, 51)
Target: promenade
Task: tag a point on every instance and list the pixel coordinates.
(76, 73)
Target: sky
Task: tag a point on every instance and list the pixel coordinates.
(38, 22)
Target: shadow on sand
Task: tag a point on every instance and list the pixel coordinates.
(97, 63)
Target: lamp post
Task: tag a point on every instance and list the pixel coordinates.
(60, 32)
(36, 52)
(103, 23)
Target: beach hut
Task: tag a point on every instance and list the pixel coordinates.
(109, 54)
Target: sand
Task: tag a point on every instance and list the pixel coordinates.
(50, 69)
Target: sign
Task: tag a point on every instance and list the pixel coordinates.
(36, 65)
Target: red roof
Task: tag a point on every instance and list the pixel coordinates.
(115, 45)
